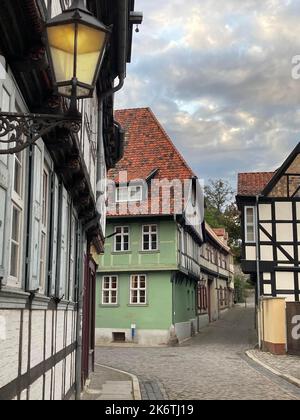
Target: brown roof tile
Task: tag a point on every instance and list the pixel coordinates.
(148, 148)
(252, 183)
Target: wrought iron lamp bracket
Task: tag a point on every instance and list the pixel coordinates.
(19, 131)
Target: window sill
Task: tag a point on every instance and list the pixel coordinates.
(121, 253)
(136, 305)
(150, 252)
(12, 298)
(109, 306)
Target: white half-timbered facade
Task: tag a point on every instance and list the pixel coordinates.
(216, 285)
(270, 216)
(49, 218)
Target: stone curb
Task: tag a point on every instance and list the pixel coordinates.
(288, 378)
(135, 382)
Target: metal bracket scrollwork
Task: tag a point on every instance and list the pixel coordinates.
(19, 131)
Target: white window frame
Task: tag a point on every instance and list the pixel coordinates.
(73, 258)
(128, 196)
(16, 280)
(247, 224)
(138, 289)
(110, 289)
(44, 241)
(122, 234)
(20, 160)
(150, 233)
(64, 244)
(17, 202)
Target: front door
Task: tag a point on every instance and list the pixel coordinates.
(88, 329)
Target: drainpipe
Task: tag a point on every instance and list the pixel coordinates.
(173, 301)
(259, 329)
(80, 280)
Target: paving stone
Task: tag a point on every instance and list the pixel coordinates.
(114, 397)
(210, 366)
(118, 384)
(287, 365)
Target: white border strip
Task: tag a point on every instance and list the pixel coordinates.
(135, 382)
(288, 378)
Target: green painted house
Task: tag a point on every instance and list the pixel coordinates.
(147, 279)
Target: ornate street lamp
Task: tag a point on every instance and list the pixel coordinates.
(76, 46)
(76, 42)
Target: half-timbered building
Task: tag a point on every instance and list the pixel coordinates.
(148, 277)
(216, 285)
(269, 203)
(50, 213)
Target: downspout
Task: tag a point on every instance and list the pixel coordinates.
(174, 277)
(259, 326)
(80, 279)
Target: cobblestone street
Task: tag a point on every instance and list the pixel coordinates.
(211, 366)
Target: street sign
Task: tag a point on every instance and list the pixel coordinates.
(293, 327)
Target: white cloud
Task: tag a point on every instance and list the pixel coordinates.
(218, 76)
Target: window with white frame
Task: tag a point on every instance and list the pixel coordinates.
(44, 227)
(250, 225)
(150, 238)
(17, 216)
(110, 290)
(73, 254)
(138, 290)
(64, 243)
(18, 174)
(121, 238)
(129, 194)
(15, 243)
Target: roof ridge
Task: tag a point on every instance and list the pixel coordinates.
(132, 109)
(256, 172)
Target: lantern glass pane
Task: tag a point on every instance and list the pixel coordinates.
(90, 46)
(81, 92)
(62, 46)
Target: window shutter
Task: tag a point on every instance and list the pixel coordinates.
(5, 189)
(3, 232)
(5, 220)
(54, 234)
(61, 289)
(35, 217)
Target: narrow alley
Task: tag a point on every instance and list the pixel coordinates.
(210, 366)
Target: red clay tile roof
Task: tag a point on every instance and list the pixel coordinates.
(148, 148)
(252, 183)
(219, 231)
(212, 232)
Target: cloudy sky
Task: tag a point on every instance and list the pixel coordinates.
(218, 75)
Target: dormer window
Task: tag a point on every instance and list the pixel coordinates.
(129, 194)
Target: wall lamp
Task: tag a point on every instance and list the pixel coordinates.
(76, 43)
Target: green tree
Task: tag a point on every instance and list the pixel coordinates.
(242, 288)
(222, 212)
(219, 194)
